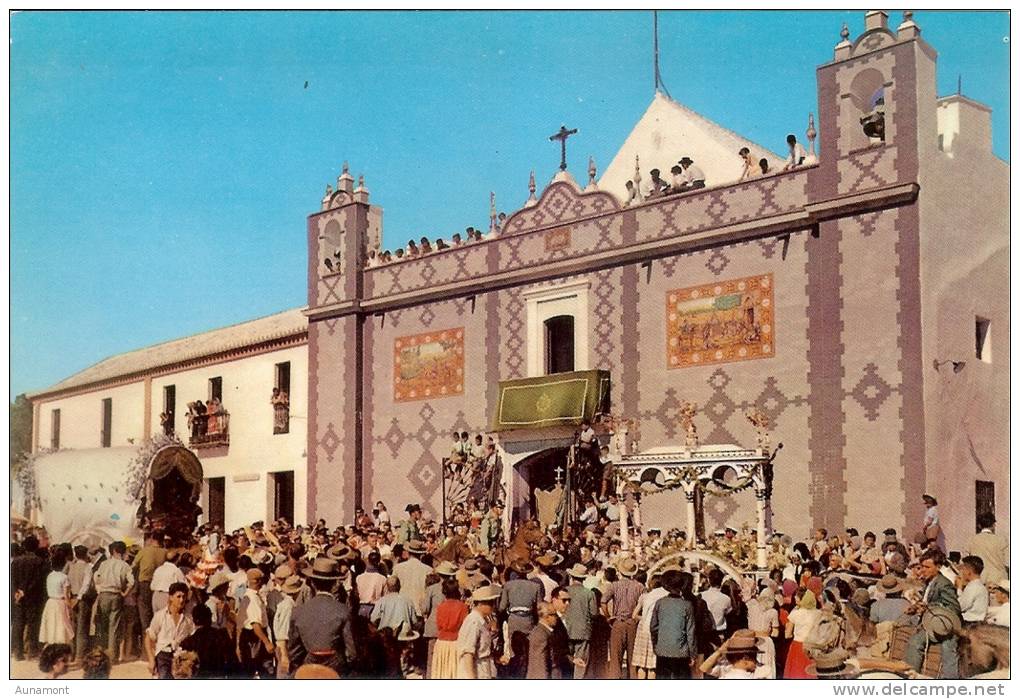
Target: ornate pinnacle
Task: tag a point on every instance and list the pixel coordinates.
(361, 181)
(591, 171)
(908, 16)
(329, 189)
(345, 169)
(845, 32)
(531, 188)
(811, 134)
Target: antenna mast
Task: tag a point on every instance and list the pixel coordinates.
(659, 85)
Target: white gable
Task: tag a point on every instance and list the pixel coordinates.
(667, 132)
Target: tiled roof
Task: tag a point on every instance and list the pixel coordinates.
(233, 337)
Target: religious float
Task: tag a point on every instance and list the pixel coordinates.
(96, 496)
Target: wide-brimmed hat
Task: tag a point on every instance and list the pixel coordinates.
(486, 593)
(412, 508)
(832, 666)
(340, 552)
(292, 584)
(255, 574)
(627, 568)
(415, 546)
(315, 671)
(742, 645)
(940, 623)
(549, 559)
(1001, 585)
(407, 634)
(685, 161)
(218, 580)
(323, 568)
(283, 572)
(522, 567)
(890, 584)
(471, 565)
(447, 569)
(578, 571)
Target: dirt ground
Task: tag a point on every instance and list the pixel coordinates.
(29, 670)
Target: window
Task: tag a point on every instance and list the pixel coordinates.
(217, 500)
(283, 495)
(169, 409)
(547, 303)
(107, 422)
(55, 429)
(559, 344)
(982, 339)
(281, 399)
(216, 388)
(984, 501)
(283, 377)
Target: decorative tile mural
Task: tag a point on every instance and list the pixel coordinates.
(428, 365)
(726, 321)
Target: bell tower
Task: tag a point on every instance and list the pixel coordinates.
(340, 235)
(876, 109)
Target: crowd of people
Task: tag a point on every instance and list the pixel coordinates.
(426, 247)
(685, 176)
(417, 599)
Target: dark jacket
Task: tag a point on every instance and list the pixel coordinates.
(672, 628)
(320, 625)
(28, 574)
(579, 614)
(215, 652)
(541, 665)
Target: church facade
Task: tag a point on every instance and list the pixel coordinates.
(859, 300)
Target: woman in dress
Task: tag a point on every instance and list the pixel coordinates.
(450, 614)
(931, 528)
(56, 624)
(799, 626)
(644, 652)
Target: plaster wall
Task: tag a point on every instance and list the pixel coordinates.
(81, 417)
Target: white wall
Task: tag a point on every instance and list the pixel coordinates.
(254, 450)
(81, 418)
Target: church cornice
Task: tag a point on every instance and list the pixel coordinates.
(798, 219)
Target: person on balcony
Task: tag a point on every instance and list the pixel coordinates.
(797, 154)
(213, 411)
(748, 171)
(693, 175)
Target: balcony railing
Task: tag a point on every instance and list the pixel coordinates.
(209, 431)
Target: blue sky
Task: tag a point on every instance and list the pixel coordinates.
(163, 164)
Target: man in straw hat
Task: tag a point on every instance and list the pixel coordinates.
(892, 606)
(321, 627)
(737, 659)
(289, 589)
(579, 617)
(833, 666)
(474, 641)
(938, 592)
(412, 573)
(520, 599)
(256, 649)
(998, 610)
(618, 606)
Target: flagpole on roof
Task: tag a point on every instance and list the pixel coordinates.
(659, 85)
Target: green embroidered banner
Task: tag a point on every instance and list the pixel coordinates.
(547, 401)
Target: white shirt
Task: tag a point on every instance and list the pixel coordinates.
(256, 611)
(167, 634)
(164, 576)
(281, 619)
(694, 174)
(718, 603)
(804, 622)
(974, 601)
(797, 156)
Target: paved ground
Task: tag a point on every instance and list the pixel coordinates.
(29, 670)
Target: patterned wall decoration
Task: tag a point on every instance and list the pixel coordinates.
(728, 321)
(559, 203)
(428, 365)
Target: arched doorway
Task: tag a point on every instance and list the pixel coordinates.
(172, 490)
(543, 482)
